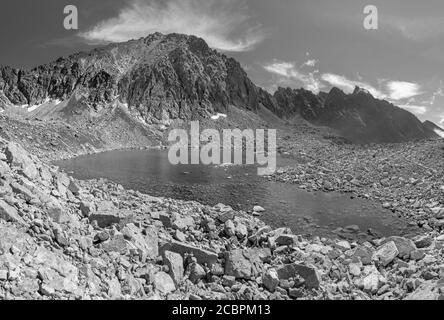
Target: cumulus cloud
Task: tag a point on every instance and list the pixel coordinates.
(348, 85)
(399, 90)
(225, 24)
(289, 71)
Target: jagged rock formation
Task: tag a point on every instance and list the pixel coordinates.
(133, 92)
(358, 116)
(160, 77)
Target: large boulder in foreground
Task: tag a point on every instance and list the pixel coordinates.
(19, 158)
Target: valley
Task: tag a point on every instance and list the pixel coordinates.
(65, 238)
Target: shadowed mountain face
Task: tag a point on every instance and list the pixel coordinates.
(358, 116)
(162, 78)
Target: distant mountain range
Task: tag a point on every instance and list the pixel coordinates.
(157, 80)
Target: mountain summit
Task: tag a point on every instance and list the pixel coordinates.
(157, 80)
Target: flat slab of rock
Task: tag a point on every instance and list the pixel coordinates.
(9, 213)
(203, 256)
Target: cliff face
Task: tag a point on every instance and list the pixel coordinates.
(162, 77)
(358, 116)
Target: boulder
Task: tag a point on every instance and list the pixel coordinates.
(174, 261)
(386, 253)
(405, 246)
(163, 283)
(270, 279)
(309, 274)
(18, 158)
(203, 256)
(9, 213)
(196, 272)
(426, 291)
(237, 265)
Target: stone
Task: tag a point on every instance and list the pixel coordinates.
(163, 283)
(405, 246)
(174, 261)
(18, 158)
(203, 256)
(285, 239)
(258, 209)
(74, 188)
(229, 228)
(114, 289)
(22, 190)
(241, 231)
(417, 255)
(86, 208)
(3, 275)
(9, 213)
(116, 244)
(270, 280)
(354, 269)
(386, 253)
(426, 291)
(228, 281)
(237, 265)
(295, 293)
(423, 241)
(196, 272)
(101, 237)
(147, 242)
(182, 223)
(343, 245)
(309, 274)
(371, 283)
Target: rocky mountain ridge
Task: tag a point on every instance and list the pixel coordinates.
(152, 83)
(358, 116)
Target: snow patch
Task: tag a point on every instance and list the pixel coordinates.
(217, 116)
(47, 100)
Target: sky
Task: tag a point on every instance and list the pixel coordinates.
(314, 44)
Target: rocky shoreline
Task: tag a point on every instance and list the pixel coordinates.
(66, 239)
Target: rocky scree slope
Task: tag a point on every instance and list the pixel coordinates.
(66, 239)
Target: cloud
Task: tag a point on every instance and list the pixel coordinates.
(418, 110)
(225, 24)
(438, 93)
(348, 85)
(289, 71)
(399, 90)
(310, 63)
